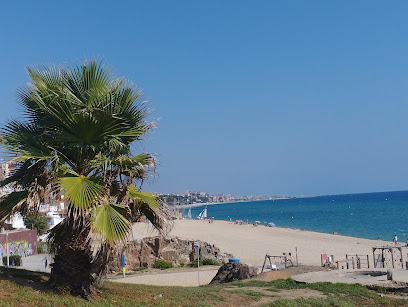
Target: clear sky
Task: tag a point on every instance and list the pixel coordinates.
(252, 97)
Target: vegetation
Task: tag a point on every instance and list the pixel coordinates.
(208, 261)
(34, 220)
(75, 140)
(14, 260)
(162, 264)
(41, 247)
(205, 261)
(25, 288)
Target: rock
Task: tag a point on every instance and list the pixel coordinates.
(229, 272)
(144, 252)
(389, 275)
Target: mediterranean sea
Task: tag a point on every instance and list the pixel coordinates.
(367, 215)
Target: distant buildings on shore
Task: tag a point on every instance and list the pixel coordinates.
(188, 198)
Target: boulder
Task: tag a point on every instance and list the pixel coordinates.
(229, 272)
(144, 252)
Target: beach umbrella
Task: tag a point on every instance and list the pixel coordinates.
(257, 221)
(271, 224)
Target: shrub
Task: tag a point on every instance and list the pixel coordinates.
(162, 264)
(41, 247)
(208, 261)
(194, 263)
(14, 260)
(205, 261)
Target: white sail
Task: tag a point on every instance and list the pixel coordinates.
(203, 214)
(189, 213)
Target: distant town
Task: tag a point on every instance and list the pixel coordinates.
(192, 198)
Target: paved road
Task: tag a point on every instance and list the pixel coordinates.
(185, 279)
(36, 263)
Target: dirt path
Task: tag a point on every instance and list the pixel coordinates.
(182, 278)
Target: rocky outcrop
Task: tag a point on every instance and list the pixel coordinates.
(229, 272)
(144, 252)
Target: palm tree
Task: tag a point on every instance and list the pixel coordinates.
(75, 140)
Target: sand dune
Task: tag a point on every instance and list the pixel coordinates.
(250, 243)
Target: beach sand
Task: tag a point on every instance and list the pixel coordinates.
(250, 243)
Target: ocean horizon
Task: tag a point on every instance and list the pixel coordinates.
(377, 215)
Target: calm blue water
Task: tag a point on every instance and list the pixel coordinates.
(368, 215)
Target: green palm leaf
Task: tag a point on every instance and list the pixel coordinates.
(142, 159)
(143, 197)
(82, 191)
(109, 223)
(11, 202)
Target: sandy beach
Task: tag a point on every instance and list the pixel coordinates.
(250, 243)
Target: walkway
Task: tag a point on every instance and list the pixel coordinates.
(184, 278)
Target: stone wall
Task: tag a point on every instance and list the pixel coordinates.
(144, 252)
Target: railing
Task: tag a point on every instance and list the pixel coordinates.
(354, 262)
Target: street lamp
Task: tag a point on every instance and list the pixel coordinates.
(7, 250)
(197, 251)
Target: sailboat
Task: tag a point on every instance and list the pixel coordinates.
(203, 214)
(189, 213)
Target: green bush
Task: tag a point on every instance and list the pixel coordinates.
(205, 261)
(14, 260)
(41, 247)
(162, 264)
(208, 261)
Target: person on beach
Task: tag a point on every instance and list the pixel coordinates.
(406, 242)
(395, 240)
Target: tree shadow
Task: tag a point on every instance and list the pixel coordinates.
(35, 280)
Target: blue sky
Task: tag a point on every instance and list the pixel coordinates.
(251, 97)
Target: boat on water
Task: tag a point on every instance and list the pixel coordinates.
(189, 213)
(203, 214)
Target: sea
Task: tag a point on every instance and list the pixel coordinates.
(378, 215)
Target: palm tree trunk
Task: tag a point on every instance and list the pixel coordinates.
(72, 266)
(76, 266)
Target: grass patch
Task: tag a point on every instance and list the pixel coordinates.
(26, 288)
(24, 274)
(248, 292)
(251, 283)
(311, 302)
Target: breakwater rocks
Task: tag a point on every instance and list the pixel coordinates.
(144, 252)
(229, 272)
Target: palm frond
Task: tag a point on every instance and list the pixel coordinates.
(109, 223)
(146, 198)
(82, 191)
(11, 203)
